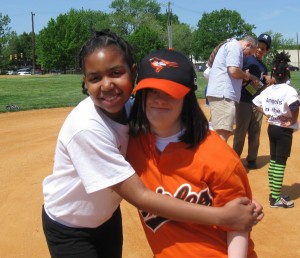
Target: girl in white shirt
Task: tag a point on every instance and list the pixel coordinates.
(280, 103)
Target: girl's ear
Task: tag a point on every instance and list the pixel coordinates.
(83, 86)
(134, 72)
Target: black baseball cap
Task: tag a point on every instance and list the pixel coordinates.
(266, 39)
(167, 70)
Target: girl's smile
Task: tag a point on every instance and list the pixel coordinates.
(108, 80)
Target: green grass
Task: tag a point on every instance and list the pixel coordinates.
(202, 82)
(38, 92)
(50, 91)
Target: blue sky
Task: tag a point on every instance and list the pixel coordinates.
(281, 16)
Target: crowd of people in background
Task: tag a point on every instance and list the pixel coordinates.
(237, 105)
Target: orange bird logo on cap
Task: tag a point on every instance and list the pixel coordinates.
(160, 64)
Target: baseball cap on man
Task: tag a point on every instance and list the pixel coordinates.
(168, 71)
(266, 39)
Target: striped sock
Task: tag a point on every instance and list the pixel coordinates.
(270, 173)
(277, 181)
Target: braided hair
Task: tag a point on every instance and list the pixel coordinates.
(102, 39)
(280, 69)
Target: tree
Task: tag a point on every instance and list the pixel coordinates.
(278, 44)
(18, 50)
(58, 44)
(4, 33)
(181, 33)
(164, 19)
(25, 48)
(145, 40)
(4, 29)
(182, 38)
(128, 15)
(132, 18)
(215, 27)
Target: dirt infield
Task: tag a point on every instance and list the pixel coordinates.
(27, 141)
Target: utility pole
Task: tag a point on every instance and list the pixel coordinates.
(169, 13)
(33, 44)
(298, 49)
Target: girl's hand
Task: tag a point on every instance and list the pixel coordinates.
(259, 210)
(285, 121)
(241, 214)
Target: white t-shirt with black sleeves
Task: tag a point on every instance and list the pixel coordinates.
(89, 158)
(275, 101)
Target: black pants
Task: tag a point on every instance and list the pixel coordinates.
(103, 242)
(280, 142)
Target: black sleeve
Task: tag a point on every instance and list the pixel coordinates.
(294, 106)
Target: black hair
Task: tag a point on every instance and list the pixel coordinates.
(280, 69)
(102, 39)
(84, 89)
(192, 118)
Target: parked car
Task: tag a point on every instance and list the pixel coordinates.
(38, 71)
(24, 71)
(201, 67)
(11, 72)
(293, 68)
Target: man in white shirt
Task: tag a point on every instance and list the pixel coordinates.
(225, 82)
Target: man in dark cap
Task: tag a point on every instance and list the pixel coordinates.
(248, 120)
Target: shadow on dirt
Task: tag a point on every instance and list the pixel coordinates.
(261, 162)
(292, 190)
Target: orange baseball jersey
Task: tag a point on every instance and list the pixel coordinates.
(211, 174)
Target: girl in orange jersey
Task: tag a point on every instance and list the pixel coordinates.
(175, 154)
